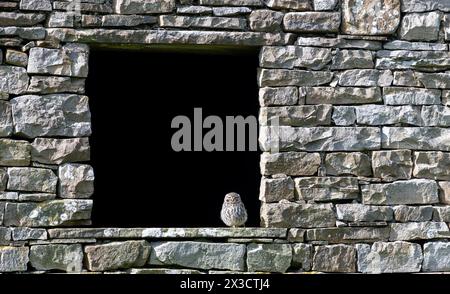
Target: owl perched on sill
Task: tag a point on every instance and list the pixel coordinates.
(233, 212)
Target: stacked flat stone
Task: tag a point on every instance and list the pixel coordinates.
(357, 179)
(360, 164)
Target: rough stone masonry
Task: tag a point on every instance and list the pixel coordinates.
(361, 182)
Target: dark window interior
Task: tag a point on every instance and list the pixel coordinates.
(134, 96)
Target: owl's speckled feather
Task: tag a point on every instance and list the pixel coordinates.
(233, 212)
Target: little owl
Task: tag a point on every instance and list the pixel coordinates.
(233, 212)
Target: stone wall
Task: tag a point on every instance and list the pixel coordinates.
(361, 182)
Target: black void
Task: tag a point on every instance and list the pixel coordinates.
(139, 179)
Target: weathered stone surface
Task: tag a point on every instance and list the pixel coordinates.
(436, 257)
(339, 42)
(425, 138)
(51, 84)
(425, 5)
(297, 116)
(292, 214)
(32, 179)
(57, 151)
(255, 3)
(36, 197)
(13, 79)
(415, 46)
(441, 213)
(70, 60)
(169, 37)
(6, 122)
(276, 189)
(14, 152)
(405, 213)
(342, 95)
(175, 21)
(416, 191)
(365, 78)
(298, 5)
(290, 163)
(11, 42)
(370, 17)
(20, 19)
(444, 192)
(419, 60)
(392, 165)
(269, 257)
(89, 6)
(23, 233)
(36, 5)
(344, 115)
(60, 20)
(17, 58)
(321, 138)
(445, 97)
(5, 236)
(76, 180)
(251, 240)
(408, 96)
(335, 259)
(350, 59)
(264, 20)
(418, 231)
(67, 258)
(7, 195)
(278, 96)
(2, 212)
(33, 33)
(374, 115)
(143, 6)
(89, 20)
(341, 163)
(117, 255)
(127, 20)
(356, 212)
(434, 80)
(302, 256)
(321, 189)
(436, 115)
(51, 115)
(312, 22)
(200, 255)
(285, 77)
(161, 233)
(294, 56)
(48, 213)
(13, 259)
(62, 241)
(322, 5)
(392, 257)
(194, 10)
(406, 78)
(230, 11)
(432, 165)
(296, 235)
(446, 25)
(3, 178)
(420, 26)
(348, 234)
